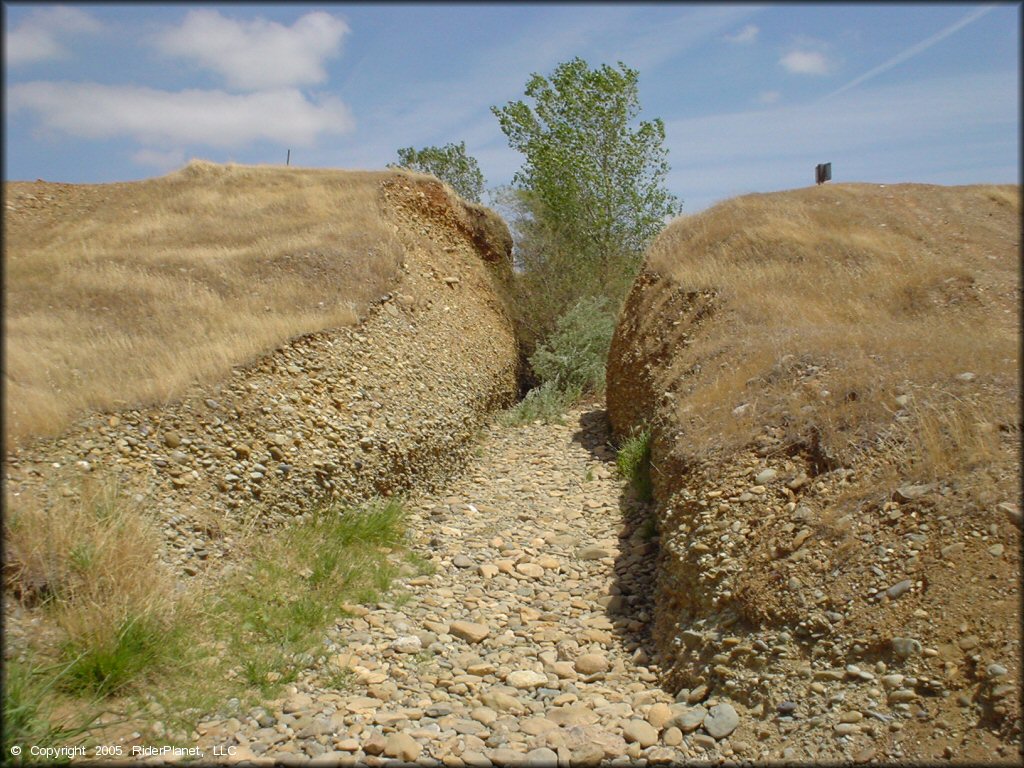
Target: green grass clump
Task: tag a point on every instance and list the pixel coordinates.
(107, 665)
(276, 611)
(634, 462)
(28, 719)
(546, 403)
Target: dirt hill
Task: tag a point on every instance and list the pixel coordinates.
(406, 346)
(831, 376)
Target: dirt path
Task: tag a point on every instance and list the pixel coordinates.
(526, 642)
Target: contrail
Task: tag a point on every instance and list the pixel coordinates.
(914, 49)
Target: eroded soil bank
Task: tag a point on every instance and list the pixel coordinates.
(338, 415)
(831, 380)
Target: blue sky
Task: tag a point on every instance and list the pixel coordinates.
(753, 96)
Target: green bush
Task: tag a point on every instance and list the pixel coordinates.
(634, 462)
(573, 357)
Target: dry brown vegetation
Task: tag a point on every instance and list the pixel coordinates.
(830, 303)
(126, 293)
(91, 560)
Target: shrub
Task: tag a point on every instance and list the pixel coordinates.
(573, 357)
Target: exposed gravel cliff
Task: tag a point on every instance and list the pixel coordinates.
(341, 414)
(836, 479)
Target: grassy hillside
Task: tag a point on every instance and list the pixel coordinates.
(830, 303)
(126, 293)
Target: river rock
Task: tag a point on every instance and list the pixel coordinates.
(721, 720)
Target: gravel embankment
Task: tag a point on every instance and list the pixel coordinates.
(343, 414)
(846, 610)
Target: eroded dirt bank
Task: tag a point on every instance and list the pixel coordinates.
(342, 414)
(838, 509)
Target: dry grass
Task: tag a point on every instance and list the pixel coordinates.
(835, 301)
(53, 548)
(91, 560)
(127, 293)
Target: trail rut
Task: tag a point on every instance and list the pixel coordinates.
(526, 643)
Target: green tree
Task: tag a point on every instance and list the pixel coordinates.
(449, 163)
(595, 176)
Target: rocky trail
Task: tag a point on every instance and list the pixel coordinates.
(529, 643)
(795, 608)
(526, 644)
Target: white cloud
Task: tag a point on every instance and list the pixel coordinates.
(38, 37)
(806, 63)
(155, 117)
(768, 97)
(257, 54)
(745, 36)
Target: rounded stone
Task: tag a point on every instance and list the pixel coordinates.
(641, 732)
(905, 647)
(689, 719)
(524, 679)
(659, 714)
(592, 663)
(407, 644)
(721, 720)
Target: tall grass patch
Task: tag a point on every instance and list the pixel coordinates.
(91, 561)
(83, 560)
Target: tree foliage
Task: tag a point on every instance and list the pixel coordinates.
(449, 163)
(550, 278)
(596, 176)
